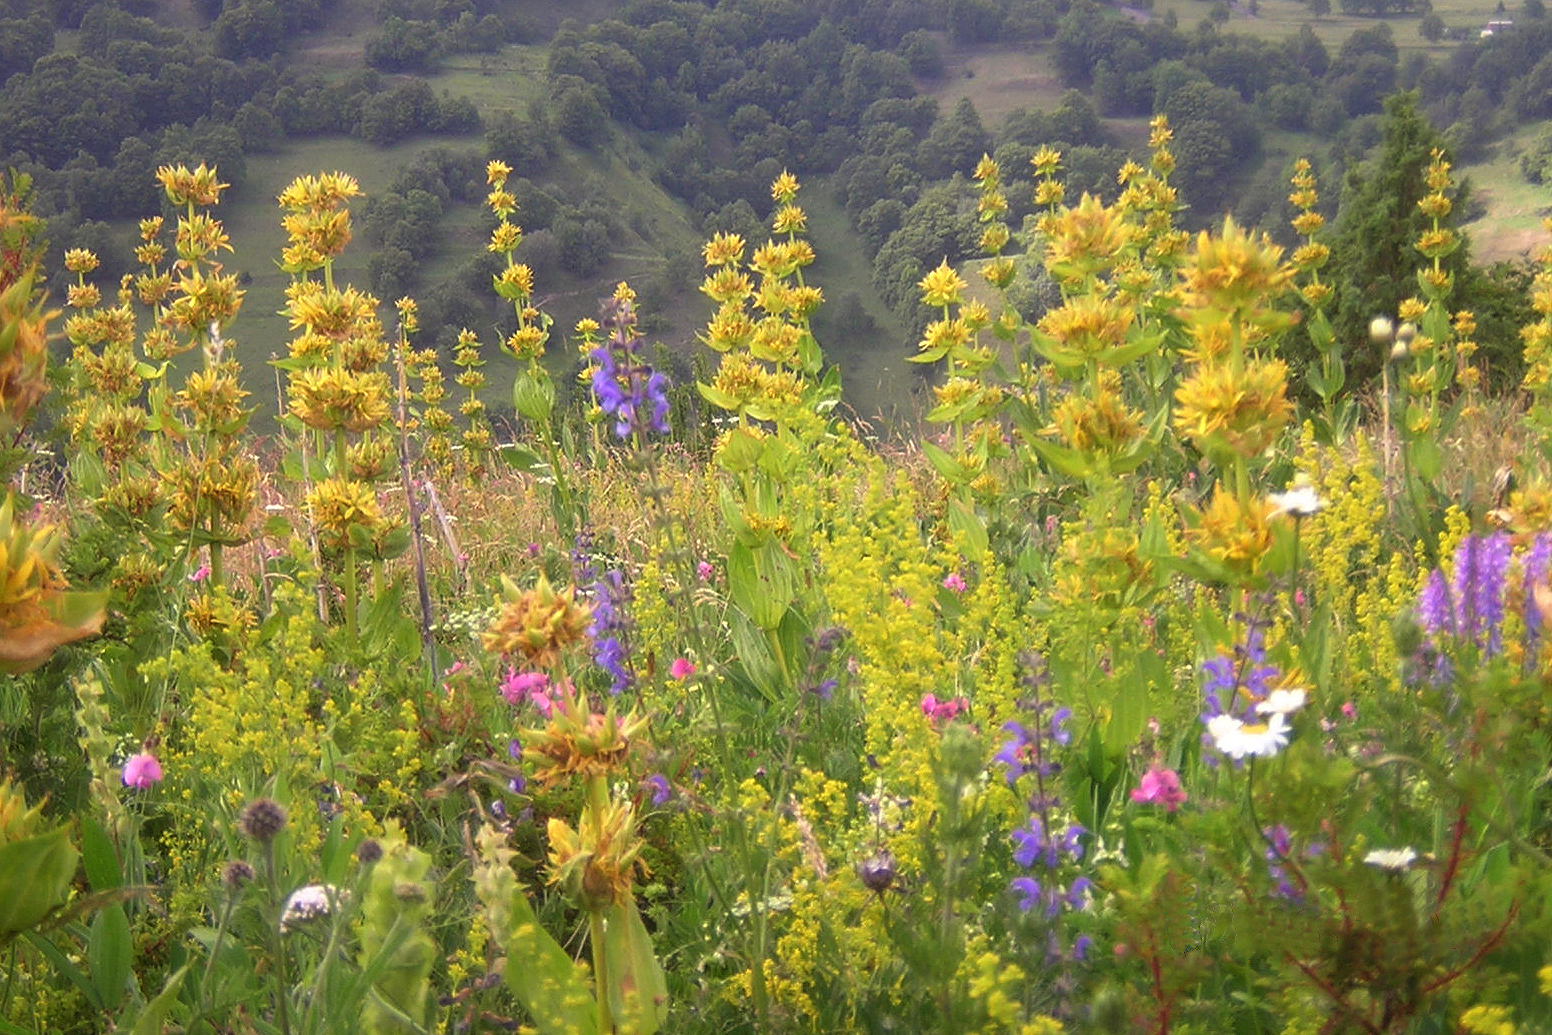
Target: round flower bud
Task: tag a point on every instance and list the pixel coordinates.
(261, 820)
(369, 851)
(877, 872)
(236, 873)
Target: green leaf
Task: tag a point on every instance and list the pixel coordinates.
(965, 522)
(740, 450)
(99, 857)
(633, 978)
(717, 397)
(109, 954)
(524, 459)
(946, 465)
(152, 1017)
(760, 581)
(545, 980)
(533, 396)
(1061, 459)
(35, 877)
(1426, 458)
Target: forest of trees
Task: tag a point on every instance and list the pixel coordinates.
(724, 95)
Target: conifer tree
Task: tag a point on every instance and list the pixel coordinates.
(1374, 262)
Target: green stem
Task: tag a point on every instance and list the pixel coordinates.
(352, 593)
(272, 926)
(595, 935)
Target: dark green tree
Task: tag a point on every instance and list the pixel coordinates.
(1374, 262)
(956, 143)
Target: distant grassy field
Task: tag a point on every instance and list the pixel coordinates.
(504, 81)
(1280, 19)
(1511, 227)
(997, 80)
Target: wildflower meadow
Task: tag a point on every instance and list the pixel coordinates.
(1156, 682)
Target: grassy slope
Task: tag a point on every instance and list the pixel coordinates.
(1511, 228)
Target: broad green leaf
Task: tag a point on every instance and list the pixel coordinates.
(99, 857)
(760, 581)
(633, 978)
(945, 464)
(545, 980)
(965, 522)
(109, 955)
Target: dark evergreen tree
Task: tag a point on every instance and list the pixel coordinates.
(1373, 259)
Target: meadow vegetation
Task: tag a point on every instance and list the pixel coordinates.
(1160, 682)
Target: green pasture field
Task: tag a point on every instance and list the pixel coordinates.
(997, 80)
(1510, 228)
(1279, 19)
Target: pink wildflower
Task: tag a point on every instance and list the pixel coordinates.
(1349, 710)
(520, 685)
(200, 574)
(1160, 787)
(954, 582)
(142, 770)
(704, 571)
(681, 668)
(942, 711)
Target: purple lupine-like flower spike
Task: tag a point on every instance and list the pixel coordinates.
(626, 387)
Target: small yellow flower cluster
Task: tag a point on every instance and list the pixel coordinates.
(1488, 1020)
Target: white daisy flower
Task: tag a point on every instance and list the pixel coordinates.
(1238, 739)
(1391, 858)
(1301, 501)
(1283, 702)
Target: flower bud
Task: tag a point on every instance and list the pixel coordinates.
(261, 820)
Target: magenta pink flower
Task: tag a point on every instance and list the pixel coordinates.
(1160, 787)
(942, 711)
(524, 685)
(704, 571)
(200, 574)
(142, 770)
(681, 668)
(954, 582)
